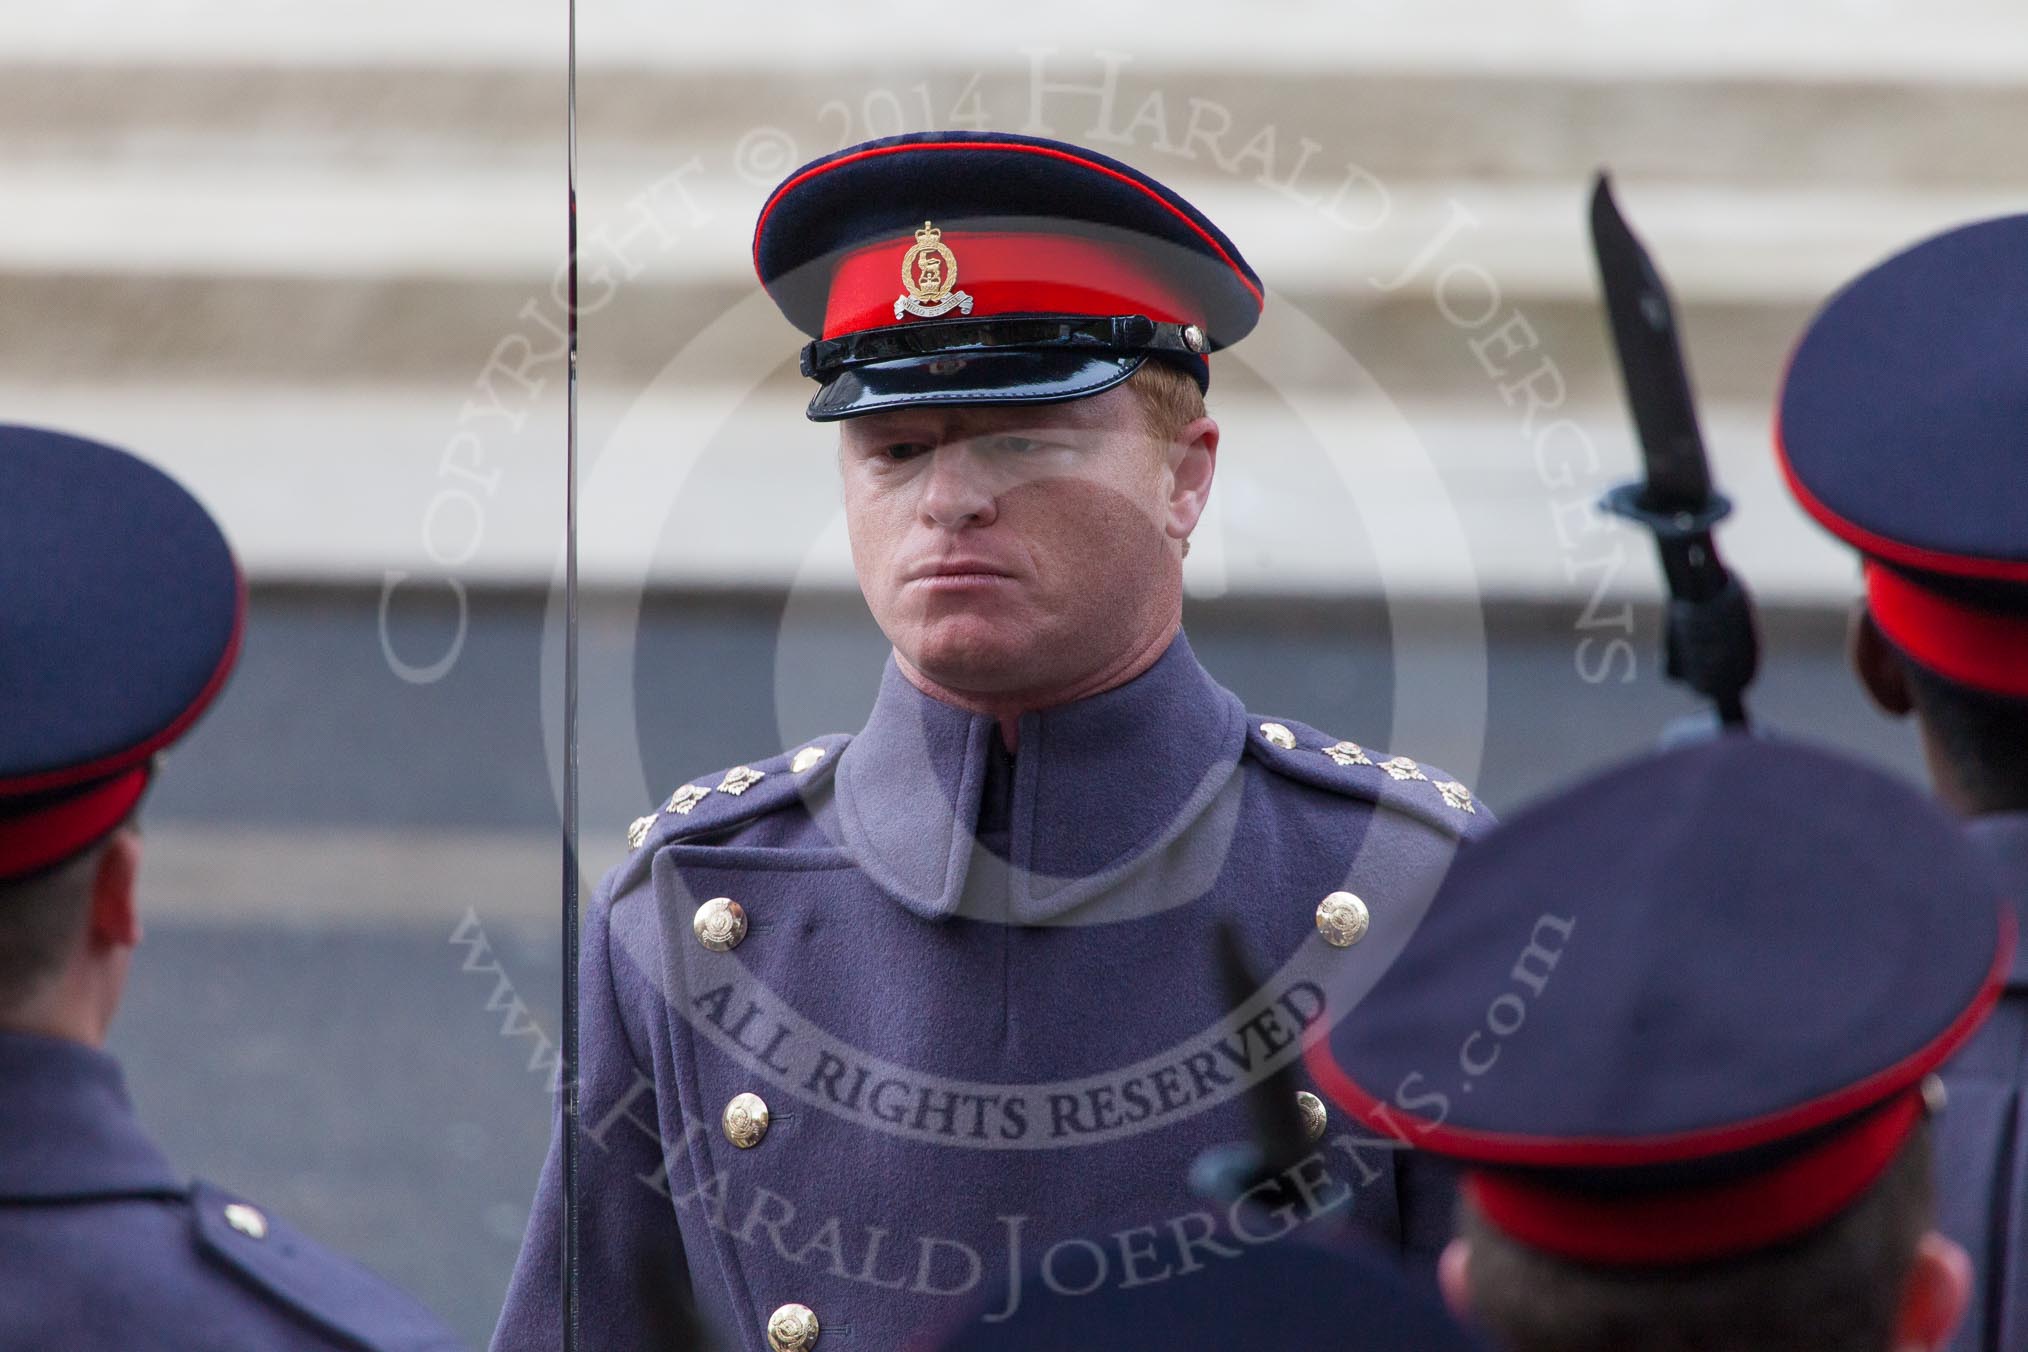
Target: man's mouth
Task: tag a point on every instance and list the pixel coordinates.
(958, 572)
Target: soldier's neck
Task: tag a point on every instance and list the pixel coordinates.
(78, 1006)
(1006, 707)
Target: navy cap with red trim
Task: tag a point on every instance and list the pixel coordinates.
(1901, 430)
(121, 610)
(948, 268)
(1685, 1010)
(1287, 1292)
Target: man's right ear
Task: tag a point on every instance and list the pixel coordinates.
(1878, 665)
(116, 912)
(1938, 1289)
(1454, 1275)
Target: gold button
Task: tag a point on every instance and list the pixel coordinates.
(247, 1220)
(1314, 1116)
(807, 759)
(792, 1328)
(1341, 919)
(1279, 735)
(746, 1120)
(720, 924)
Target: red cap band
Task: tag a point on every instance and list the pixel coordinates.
(1691, 1225)
(36, 840)
(1984, 649)
(1007, 272)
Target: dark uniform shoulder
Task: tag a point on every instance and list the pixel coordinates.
(1299, 752)
(352, 1304)
(729, 799)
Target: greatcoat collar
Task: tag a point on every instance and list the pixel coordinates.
(1100, 786)
(2005, 836)
(67, 1129)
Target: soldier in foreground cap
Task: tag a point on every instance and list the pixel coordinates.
(120, 617)
(1900, 431)
(873, 1021)
(1680, 1024)
(1288, 1294)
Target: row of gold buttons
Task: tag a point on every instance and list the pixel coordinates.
(720, 924)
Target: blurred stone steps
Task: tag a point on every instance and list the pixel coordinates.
(307, 277)
(302, 251)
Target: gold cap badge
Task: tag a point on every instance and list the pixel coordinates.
(929, 274)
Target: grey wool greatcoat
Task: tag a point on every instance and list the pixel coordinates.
(873, 1024)
(1982, 1135)
(104, 1245)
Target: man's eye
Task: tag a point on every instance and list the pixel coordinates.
(905, 450)
(1017, 445)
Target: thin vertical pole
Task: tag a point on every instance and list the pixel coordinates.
(568, 1057)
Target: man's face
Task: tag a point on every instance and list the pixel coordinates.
(1016, 550)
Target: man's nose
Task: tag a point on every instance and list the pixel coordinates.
(960, 490)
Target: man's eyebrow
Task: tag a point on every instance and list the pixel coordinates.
(941, 431)
(882, 433)
(1071, 413)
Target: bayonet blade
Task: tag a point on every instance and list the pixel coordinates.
(1652, 368)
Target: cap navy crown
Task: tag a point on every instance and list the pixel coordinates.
(1290, 1293)
(1684, 1010)
(1901, 432)
(987, 267)
(120, 616)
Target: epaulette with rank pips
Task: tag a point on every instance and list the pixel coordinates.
(739, 794)
(1422, 791)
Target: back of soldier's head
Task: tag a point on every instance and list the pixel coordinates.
(1900, 432)
(42, 921)
(1836, 1289)
(1982, 737)
(121, 611)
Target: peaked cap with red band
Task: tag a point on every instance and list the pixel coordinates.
(1687, 1010)
(1903, 429)
(1290, 1293)
(120, 616)
(991, 268)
